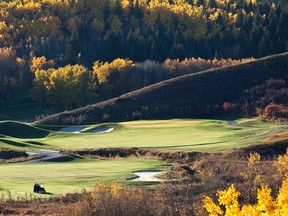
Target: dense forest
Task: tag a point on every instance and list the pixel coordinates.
(89, 35)
(83, 31)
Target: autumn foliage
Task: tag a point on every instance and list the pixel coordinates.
(228, 200)
(113, 200)
(266, 204)
(275, 110)
(70, 86)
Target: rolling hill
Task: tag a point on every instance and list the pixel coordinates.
(192, 95)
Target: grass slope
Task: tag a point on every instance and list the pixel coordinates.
(190, 95)
(176, 134)
(21, 130)
(189, 135)
(61, 177)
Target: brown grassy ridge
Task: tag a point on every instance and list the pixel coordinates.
(15, 156)
(192, 95)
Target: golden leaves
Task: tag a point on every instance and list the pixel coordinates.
(266, 204)
(254, 158)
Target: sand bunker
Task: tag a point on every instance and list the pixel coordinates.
(78, 129)
(100, 130)
(146, 175)
(72, 129)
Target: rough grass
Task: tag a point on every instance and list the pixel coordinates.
(177, 134)
(60, 177)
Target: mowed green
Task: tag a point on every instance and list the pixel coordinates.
(175, 134)
(69, 177)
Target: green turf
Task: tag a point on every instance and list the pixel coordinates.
(69, 176)
(177, 134)
(21, 130)
(192, 135)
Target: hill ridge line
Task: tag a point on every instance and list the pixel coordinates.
(270, 66)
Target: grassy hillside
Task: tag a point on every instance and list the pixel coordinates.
(194, 95)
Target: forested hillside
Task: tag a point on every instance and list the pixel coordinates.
(82, 31)
(126, 42)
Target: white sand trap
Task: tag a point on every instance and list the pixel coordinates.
(146, 175)
(78, 129)
(73, 129)
(100, 130)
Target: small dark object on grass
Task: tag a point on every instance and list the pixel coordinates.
(39, 188)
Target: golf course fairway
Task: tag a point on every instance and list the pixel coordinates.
(176, 134)
(69, 177)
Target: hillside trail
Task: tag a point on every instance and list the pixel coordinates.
(233, 123)
(49, 154)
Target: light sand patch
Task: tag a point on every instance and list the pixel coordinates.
(72, 129)
(100, 130)
(146, 175)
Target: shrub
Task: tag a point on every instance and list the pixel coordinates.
(282, 165)
(274, 110)
(106, 199)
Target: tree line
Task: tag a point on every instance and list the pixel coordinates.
(75, 85)
(70, 31)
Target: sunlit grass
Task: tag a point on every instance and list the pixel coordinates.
(60, 178)
(176, 134)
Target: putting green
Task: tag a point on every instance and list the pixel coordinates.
(61, 178)
(177, 134)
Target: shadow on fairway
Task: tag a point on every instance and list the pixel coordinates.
(61, 159)
(13, 143)
(35, 143)
(49, 193)
(21, 130)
